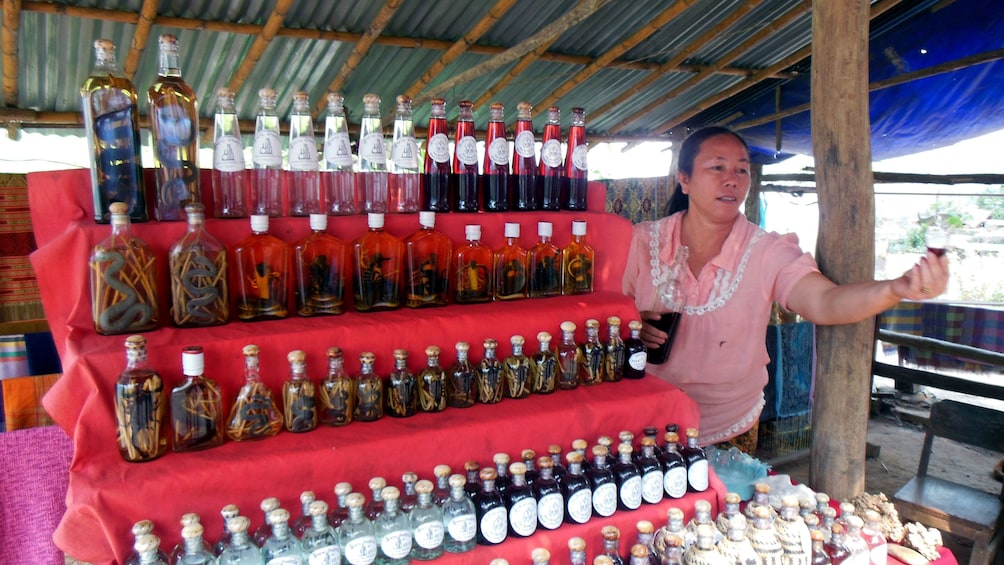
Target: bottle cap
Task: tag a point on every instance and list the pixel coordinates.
(554, 449)
(463, 347)
(573, 457)
(307, 496)
(610, 533)
(374, 220)
(692, 432)
(269, 504)
(702, 506)
(544, 337)
(335, 101)
(427, 219)
(318, 222)
(732, 498)
(472, 232)
(579, 227)
(390, 493)
(229, 511)
(142, 527)
(576, 544)
(490, 344)
(366, 358)
(647, 441)
(625, 449)
(517, 341)
(371, 103)
(432, 351)
(238, 524)
(501, 459)
(613, 321)
(168, 42)
(471, 466)
(119, 212)
(457, 480)
(605, 441)
(192, 361)
(250, 349)
(545, 462)
(580, 444)
(297, 357)
(553, 114)
(567, 326)
(625, 436)
(354, 500)
(540, 555)
(401, 354)
(409, 477)
(511, 229)
(146, 543)
(377, 483)
(441, 471)
(259, 223)
(317, 508)
(592, 324)
(674, 515)
(600, 451)
(527, 455)
(195, 212)
(104, 45)
(334, 353)
(517, 468)
(488, 474)
(544, 229)
(342, 489)
(278, 516)
(644, 527)
(424, 486)
(135, 342)
(634, 325)
(671, 437)
(189, 518)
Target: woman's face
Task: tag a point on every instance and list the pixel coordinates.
(720, 178)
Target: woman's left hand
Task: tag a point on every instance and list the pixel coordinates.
(927, 279)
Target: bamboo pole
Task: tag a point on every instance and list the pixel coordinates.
(8, 45)
(144, 22)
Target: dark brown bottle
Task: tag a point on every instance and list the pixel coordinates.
(402, 394)
(612, 544)
(473, 484)
(651, 472)
(576, 491)
(697, 463)
(502, 478)
(628, 479)
(602, 483)
(520, 502)
(550, 502)
(674, 468)
(529, 456)
(489, 507)
(635, 352)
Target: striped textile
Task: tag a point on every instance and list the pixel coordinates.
(19, 296)
(22, 401)
(983, 327)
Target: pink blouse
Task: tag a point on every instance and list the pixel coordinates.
(719, 357)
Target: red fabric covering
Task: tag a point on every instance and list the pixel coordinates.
(106, 495)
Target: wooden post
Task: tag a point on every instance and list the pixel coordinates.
(841, 144)
(752, 206)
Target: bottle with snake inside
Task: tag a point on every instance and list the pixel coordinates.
(198, 265)
(254, 414)
(123, 274)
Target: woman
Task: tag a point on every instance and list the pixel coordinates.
(736, 271)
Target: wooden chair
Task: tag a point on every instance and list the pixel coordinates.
(952, 507)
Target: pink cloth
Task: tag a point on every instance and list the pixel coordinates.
(719, 356)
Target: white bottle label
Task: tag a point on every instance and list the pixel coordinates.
(371, 148)
(467, 150)
(498, 151)
(405, 153)
(579, 157)
(605, 499)
(580, 506)
(228, 154)
(675, 482)
(302, 154)
(267, 149)
(631, 493)
(463, 528)
(651, 487)
(551, 510)
(429, 535)
(338, 149)
(329, 555)
(396, 545)
(697, 475)
(637, 361)
(523, 516)
(550, 153)
(525, 144)
(439, 148)
(361, 550)
(287, 560)
(493, 525)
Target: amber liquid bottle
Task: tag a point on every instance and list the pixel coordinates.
(263, 264)
(496, 166)
(524, 161)
(551, 175)
(402, 392)
(510, 264)
(254, 414)
(378, 259)
(321, 260)
(337, 393)
(591, 355)
(518, 370)
(491, 383)
(432, 383)
(472, 266)
(465, 160)
(576, 169)
(577, 260)
(427, 265)
(568, 358)
(544, 264)
(140, 405)
(299, 395)
(546, 363)
(613, 351)
(123, 272)
(196, 406)
(198, 264)
(437, 183)
(461, 380)
(369, 391)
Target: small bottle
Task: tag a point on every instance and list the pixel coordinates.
(299, 395)
(591, 355)
(822, 503)
(764, 538)
(409, 498)
(703, 550)
(544, 265)
(761, 499)
(147, 546)
(557, 467)
(735, 546)
(337, 393)
(465, 160)
(378, 260)
(793, 532)
(576, 169)
(263, 274)
(490, 382)
(266, 158)
(568, 358)
(835, 548)
(510, 264)
(819, 555)
(524, 161)
(459, 519)
(732, 501)
(461, 380)
(547, 365)
(369, 391)
(356, 536)
(697, 463)
(576, 491)
(540, 556)
(472, 266)
(652, 478)
(321, 262)
(472, 470)
(628, 479)
(646, 538)
(426, 525)
(846, 511)
(576, 551)
(436, 180)
(198, 264)
(174, 135)
(371, 179)
(550, 502)
(432, 387)
(340, 512)
(254, 414)
(111, 118)
(518, 370)
(140, 529)
(673, 530)
(401, 395)
(229, 173)
(502, 478)
(427, 265)
(490, 509)
(405, 181)
(304, 179)
(577, 261)
(123, 271)
(336, 176)
(551, 173)
(496, 166)
(878, 550)
(375, 505)
(602, 483)
(441, 493)
(241, 549)
(304, 520)
(229, 512)
(319, 540)
(702, 517)
(196, 406)
(671, 303)
(281, 546)
(393, 530)
(612, 544)
(519, 501)
(140, 406)
(614, 351)
(854, 543)
(265, 529)
(529, 458)
(634, 352)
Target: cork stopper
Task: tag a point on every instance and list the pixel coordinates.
(471, 466)
(524, 109)
(592, 324)
(647, 441)
(147, 543)
(517, 341)
(238, 524)
(335, 101)
(142, 528)
(545, 462)
(441, 471)
(490, 343)
(424, 486)
(390, 493)
(432, 351)
(732, 498)
(225, 97)
(761, 513)
(104, 45)
(189, 518)
(602, 560)
(195, 211)
(610, 533)
(496, 106)
(409, 477)
(342, 489)
(691, 433)
(816, 535)
(674, 515)
(702, 506)
(403, 101)
(761, 488)
(527, 455)
(367, 358)
(488, 474)
(501, 459)
(250, 349)
(266, 97)
(401, 354)
(671, 437)
(580, 444)
(457, 481)
(334, 353)
(168, 42)
(871, 516)
(605, 441)
(465, 104)
(854, 523)
(614, 321)
(463, 347)
(354, 500)
(317, 508)
(822, 499)
(789, 500)
(625, 449)
(544, 337)
(644, 527)
(811, 520)
(567, 326)
(301, 101)
(511, 229)
(625, 436)
(119, 211)
(573, 457)
(498, 561)
(269, 504)
(297, 356)
(554, 449)
(517, 468)
(634, 325)
(438, 107)
(377, 483)
(540, 555)
(278, 516)
(135, 342)
(600, 451)
(639, 551)
(846, 508)
(576, 544)
(307, 496)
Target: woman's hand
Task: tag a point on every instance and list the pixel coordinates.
(927, 279)
(652, 336)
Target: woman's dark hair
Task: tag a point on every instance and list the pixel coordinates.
(688, 152)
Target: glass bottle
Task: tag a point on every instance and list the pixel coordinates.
(375, 505)
(496, 166)
(652, 479)
(336, 176)
(281, 547)
(550, 502)
(822, 503)
(340, 512)
(465, 160)
(266, 158)
(524, 161)
(735, 546)
(539, 556)
(401, 395)
(491, 383)
(304, 179)
(671, 303)
(761, 499)
(628, 479)
(819, 555)
(602, 483)
(299, 395)
(577, 261)
(732, 502)
(442, 491)
(174, 131)
(576, 169)
(519, 371)
(613, 351)
(702, 517)
(426, 525)
(653, 432)
(529, 458)
(576, 551)
(378, 258)
(432, 387)
(228, 512)
(878, 550)
(835, 548)
(490, 509)
(703, 550)
(409, 498)
(265, 529)
(846, 511)
(147, 547)
(393, 531)
(241, 549)
(405, 180)
(546, 363)
(502, 478)
(576, 491)
(764, 538)
(544, 264)
(855, 544)
(557, 467)
(123, 279)
(697, 463)
(635, 355)
(140, 406)
(356, 536)
(674, 530)
(263, 274)
(111, 118)
(229, 174)
(459, 519)
(472, 470)
(591, 355)
(427, 264)
(369, 391)
(519, 501)
(194, 551)
(371, 180)
(319, 540)
(646, 538)
(551, 173)
(612, 544)
(254, 414)
(461, 381)
(321, 260)
(337, 393)
(510, 262)
(196, 406)
(673, 552)
(437, 182)
(792, 532)
(473, 267)
(568, 357)
(198, 265)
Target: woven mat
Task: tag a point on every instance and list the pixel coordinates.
(19, 297)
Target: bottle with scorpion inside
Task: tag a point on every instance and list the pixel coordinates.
(491, 384)
(337, 393)
(263, 274)
(254, 414)
(613, 351)
(198, 265)
(378, 261)
(140, 406)
(196, 406)
(432, 383)
(320, 262)
(123, 273)
(369, 391)
(401, 394)
(298, 395)
(461, 381)
(518, 370)
(546, 363)
(591, 355)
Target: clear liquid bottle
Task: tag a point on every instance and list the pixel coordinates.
(432, 386)
(378, 259)
(340, 512)
(628, 479)
(634, 352)
(540, 556)
(241, 549)
(319, 540)
(613, 351)
(321, 262)
(855, 544)
(337, 392)
(472, 266)
(147, 547)
(123, 279)
(551, 173)
(546, 363)
(299, 395)
(576, 490)
(577, 260)
(405, 193)
(442, 487)
(254, 414)
(196, 406)
(576, 168)
(510, 265)
(459, 519)
(174, 130)
(437, 182)
(195, 551)
(281, 547)
(568, 357)
(591, 355)
(496, 166)
(461, 380)
(544, 264)
(671, 303)
(393, 531)
(356, 536)
(490, 509)
(336, 177)
(369, 391)
(550, 502)
(602, 483)
(265, 529)
(266, 158)
(304, 179)
(427, 264)
(612, 544)
(652, 476)
(187, 520)
(230, 184)
(140, 406)
(427, 528)
(371, 178)
(465, 160)
(491, 384)
(524, 161)
(409, 497)
(576, 551)
(111, 119)
(401, 395)
(375, 505)
(198, 265)
(228, 512)
(521, 504)
(518, 370)
(263, 264)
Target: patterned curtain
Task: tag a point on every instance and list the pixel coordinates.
(638, 200)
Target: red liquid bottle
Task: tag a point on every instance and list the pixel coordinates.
(465, 160)
(496, 179)
(436, 188)
(524, 161)
(575, 162)
(550, 162)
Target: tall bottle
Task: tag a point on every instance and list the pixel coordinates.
(304, 179)
(111, 118)
(613, 351)
(336, 176)
(266, 158)
(405, 181)
(304, 520)
(299, 395)
(577, 261)
(465, 160)
(491, 381)
(123, 279)
(591, 355)
(628, 479)
(375, 506)
(378, 259)
(510, 264)
(409, 497)
(432, 384)
(551, 173)
(369, 391)
(459, 518)
(254, 414)
(461, 380)
(490, 509)
(568, 357)
(320, 266)
(671, 303)
(402, 391)
(228, 513)
(196, 406)
(703, 550)
(337, 393)
(793, 533)
(198, 265)
(319, 540)
(140, 406)
(356, 536)
(371, 180)
(496, 168)
(229, 174)
(426, 525)
(602, 483)
(652, 486)
(524, 161)
(635, 352)
(576, 169)
(263, 264)
(518, 370)
(442, 492)
(472, 266)
(764, 539)
(697, 463)
(546, 363)
(819, 555)
(550, 502)
(340, 512)
(174, 130)
(427, 264)
(393, 530)
(735, 546)
(577, 491)
(878, 549)
(437, 181)
(544, 264)
(265, 529)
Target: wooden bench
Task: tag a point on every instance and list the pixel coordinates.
(952, 507)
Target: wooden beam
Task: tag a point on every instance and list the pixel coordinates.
(8, 46)
(913, 178)
(144, 22)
